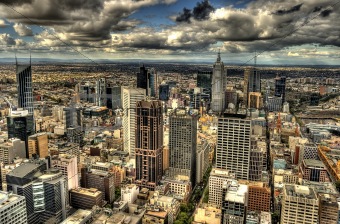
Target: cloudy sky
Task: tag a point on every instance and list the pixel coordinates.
(282, 31)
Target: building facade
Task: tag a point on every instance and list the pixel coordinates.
(218, 85)
(149, 143)
(234, 145)
(130, 97)
(183, 144)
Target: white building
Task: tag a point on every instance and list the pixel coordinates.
(12, 208)
(216, 180)
(234, 146)
(68, 165)
(129, 193)
(218, 86)
(130, 97)
(300, 204)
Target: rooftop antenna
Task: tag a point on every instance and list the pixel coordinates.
(219, 55)
(16, 61)
(255, 59)
(30, 58)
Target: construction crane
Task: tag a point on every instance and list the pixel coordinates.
(11, 106)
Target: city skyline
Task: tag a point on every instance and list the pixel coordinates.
(176, 29)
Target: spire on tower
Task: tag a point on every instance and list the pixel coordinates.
(219, 56)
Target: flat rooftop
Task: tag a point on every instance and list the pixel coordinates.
(93, 192)
(314, 163)
(77, 217)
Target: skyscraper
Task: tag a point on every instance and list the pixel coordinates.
(20, 125)
(252, 83)
(143, 79)
(164, 92)
(45, 191)
(183, 144)
(25, 91)
(204, 79)
(149, 143)
(280, 88)
(234, 145)
(153, 82)
(129, 99)
(218, 86)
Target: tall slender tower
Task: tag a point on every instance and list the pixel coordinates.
(129, 99)
(24, 84)
(252, 83)
(218, 86)
(149, 143)
(183, 144)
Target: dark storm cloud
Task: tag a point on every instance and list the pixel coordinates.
(184, 16)
(288, 11)
(326, 12)
(317, 9)
(200, 12)
(16, 2)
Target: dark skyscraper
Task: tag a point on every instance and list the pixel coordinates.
(280, 88)
(25, 91)
(149, 143)
(164, 92)
(20, 125)
(143, 79)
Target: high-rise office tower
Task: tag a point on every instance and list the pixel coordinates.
(234, 145)
(234, 202)
(149, 143)
(45, 191)
(50, 196)
(218, 86)
(280, 88)
(38, 144)
(12, 208)
(296, 201)
(183, 144)
(252, 83)
(25, 91)
(20, 125)
(143, 79)
(164, 92)
(153, 82)
(101, 98)
(129, 99)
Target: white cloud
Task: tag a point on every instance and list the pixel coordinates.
(22, 30)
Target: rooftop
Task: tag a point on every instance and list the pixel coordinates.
(236, 192)
(78, 217)
(314, 163)
(7, 198)
(300, 191)
(93, 192)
